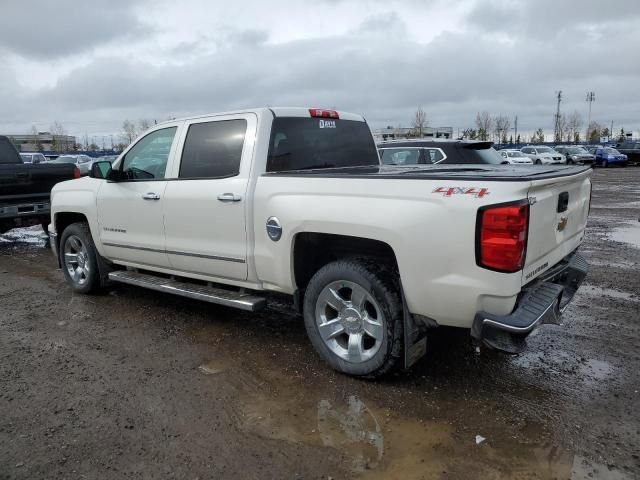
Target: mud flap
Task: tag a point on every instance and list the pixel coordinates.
(415, 337)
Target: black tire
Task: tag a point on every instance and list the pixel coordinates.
(605, 164)
(91, 281)
(382, 283)
(538, 162)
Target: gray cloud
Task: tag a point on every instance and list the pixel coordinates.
(44, 29)
(376, 68)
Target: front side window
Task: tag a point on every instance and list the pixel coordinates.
(526, 150)
(213, 149)
(147, 159)
(400, 156)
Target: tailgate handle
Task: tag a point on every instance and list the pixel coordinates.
(563, 202)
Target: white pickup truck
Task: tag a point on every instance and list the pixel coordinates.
(228, 207)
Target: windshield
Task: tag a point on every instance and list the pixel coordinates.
(299, 143)
(515, 154)
(577, 151)
(65, 159)
(612, 151)
(545, 150)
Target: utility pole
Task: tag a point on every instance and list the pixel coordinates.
(591, 96)
(515, 127)
(557, 134)
(611, 131)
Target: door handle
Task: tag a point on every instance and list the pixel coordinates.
(229, 197)
(151, 196)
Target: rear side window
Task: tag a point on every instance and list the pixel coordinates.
(400, 156)
(434, 155)
(8, 153)
(299, 143)
(213, 149)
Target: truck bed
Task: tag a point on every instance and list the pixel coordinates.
(27, 181)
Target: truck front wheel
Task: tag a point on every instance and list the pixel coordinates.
(79, 258)
(353, 317)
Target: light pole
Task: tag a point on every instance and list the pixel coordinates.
(591, 96)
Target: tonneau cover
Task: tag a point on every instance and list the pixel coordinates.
(505, 173)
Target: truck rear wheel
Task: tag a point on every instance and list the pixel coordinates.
(79, 258)
(353, 317)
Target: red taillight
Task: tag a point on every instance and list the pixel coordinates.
(319, 112)
(501, 242)
(76, 172)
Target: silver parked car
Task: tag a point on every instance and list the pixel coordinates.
(576, 154)
(33, 158)
(543, 155)
(83, 162)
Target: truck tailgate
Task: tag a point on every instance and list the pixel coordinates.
(559, 208)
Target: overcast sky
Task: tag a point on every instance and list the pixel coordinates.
(92, 64)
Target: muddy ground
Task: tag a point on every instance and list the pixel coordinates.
(136, 384)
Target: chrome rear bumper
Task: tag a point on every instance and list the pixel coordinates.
(541, 302)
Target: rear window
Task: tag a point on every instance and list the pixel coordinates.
(305, 143)
(8, 153)
(478, 154)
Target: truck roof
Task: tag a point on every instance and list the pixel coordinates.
(304, 112)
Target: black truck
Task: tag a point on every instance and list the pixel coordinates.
(631, 148)
(25, 189)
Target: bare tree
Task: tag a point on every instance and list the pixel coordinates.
(129, 132)
(470, 133)
(484, 122)
(33, 131)
(538, 136)
(144, 125)
(420, 122)
(502, 124)
(594, 132)
(574, 125)
(59, 135)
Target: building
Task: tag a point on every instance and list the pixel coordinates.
(43, 142)
(394, 133)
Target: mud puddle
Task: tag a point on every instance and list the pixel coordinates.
(375, 442)
(629, 233)
(593, 291)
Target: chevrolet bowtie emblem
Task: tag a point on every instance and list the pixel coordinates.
(562, 223)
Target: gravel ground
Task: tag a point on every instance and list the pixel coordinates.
(135, 384)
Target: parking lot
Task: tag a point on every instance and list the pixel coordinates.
(133, 383)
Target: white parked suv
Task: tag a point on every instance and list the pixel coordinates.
(228, 207)
(515, 157)
(544, 155)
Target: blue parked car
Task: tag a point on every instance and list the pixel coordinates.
(606, 156)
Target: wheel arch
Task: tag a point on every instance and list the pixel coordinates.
(312, 250)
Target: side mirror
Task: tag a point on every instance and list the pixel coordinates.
(100, 170)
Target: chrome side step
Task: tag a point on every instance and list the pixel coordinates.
(228, 298)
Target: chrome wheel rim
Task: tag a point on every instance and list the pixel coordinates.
(76, 260)
(349, 321)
